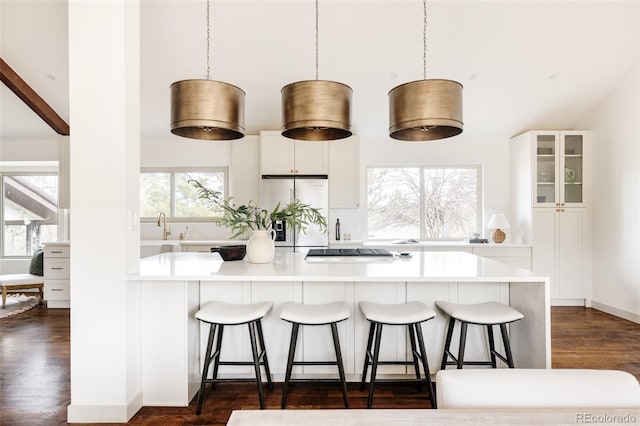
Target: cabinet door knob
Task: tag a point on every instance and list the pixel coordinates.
(561, 210)
(557, 210)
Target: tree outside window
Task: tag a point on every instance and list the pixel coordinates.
(423, 202)
(169, 191)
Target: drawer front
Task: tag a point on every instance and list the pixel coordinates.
(56, 251)
(56, 268)
(57, 290)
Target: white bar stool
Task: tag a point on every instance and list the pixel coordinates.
(411, 314)
(488, 314)
(219, 314)
(326, 314)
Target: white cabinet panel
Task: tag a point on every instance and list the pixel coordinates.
(344, 173)
(57, 274)
(559, 250)
(277, 333)
(284, 156)
(317, 341)
(393, 346)
(244, 173)
(235, 342)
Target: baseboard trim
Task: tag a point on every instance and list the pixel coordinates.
(629, 316)
(81, 413)
(567, 302)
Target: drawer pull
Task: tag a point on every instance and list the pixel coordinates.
(56, 252)
(56, 289)
(57, 269)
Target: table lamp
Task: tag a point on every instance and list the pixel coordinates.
(498, 222)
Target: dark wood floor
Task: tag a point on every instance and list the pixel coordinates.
(34, 371)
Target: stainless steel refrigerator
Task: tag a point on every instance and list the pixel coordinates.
(311, 190)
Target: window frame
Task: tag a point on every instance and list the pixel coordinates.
(422, 167)
(35, 170)
(172, 188)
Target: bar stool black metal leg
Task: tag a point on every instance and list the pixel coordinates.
(447, 343)
(425, 365)
(507, 346)
(292, 352)
(205, 369)
(263, 353)
(367, 355)
(374, 364)
(256, 361)
(492, 345)
(343, 382)
(412, 337)
(463, 340)
(216, 356)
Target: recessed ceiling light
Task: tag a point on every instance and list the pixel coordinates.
(50, 76)
(553, 76)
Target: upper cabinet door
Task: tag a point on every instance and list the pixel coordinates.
(561, 168)
(545, 152)
(311, 157)
(284, 156)
(573, 150)
(276, 154)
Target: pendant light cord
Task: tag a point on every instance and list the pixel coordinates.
(317, 49)
(208, 39)
(424, 41)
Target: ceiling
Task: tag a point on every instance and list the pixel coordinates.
(523, 65)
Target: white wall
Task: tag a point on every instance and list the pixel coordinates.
(616, 205)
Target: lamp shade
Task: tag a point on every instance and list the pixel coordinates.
(425, 110)
(498, 221)
(316, 110)
(207, 109)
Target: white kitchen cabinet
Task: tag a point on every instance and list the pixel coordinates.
(560, 244)
(344, 173)
(244, 173)
(57, 276)
(559, 167)
(550, 193)
(284, 156)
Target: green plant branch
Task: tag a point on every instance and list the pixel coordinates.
(248, 217)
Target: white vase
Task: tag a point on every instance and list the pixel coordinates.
(261, 247)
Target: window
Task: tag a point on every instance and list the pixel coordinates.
(29, 212)
(169, 191)
(427, 203)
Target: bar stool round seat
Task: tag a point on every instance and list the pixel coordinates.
(400, 314)
(230, 314)
(487, 314)
(220, 314)
(314, 315)
(481, 313)
(411, 315)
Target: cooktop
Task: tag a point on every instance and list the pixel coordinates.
(368, 252)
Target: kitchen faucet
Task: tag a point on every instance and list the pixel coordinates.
(162, 218)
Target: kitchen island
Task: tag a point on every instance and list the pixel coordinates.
(174, 285)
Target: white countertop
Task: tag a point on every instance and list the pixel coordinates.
(404, 244)
(191, 242)
(448, 266)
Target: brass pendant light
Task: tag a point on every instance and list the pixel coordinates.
(316, 110)
(425, 110)
(207, 109)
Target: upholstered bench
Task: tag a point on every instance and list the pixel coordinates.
(17, 283)
(537, 388)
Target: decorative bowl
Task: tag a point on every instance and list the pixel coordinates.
(236, 252)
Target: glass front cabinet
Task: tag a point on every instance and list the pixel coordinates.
(559, 166)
